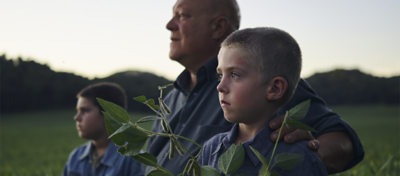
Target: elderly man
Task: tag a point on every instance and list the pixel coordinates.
(197, 29)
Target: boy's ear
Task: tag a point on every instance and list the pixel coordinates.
(219, 26)
(277, 88)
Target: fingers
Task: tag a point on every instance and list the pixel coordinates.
(298, 135)
(276, 122)
(284, 132)
(313, 145)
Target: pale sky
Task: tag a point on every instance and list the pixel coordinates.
(96, 38)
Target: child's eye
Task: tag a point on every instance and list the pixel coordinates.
(219, 76)
(235, 75)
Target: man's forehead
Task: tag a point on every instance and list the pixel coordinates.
(192, 4)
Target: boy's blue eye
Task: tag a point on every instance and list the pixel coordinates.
(235, 75)
(219, 76)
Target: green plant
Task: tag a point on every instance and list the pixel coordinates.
(131, 139)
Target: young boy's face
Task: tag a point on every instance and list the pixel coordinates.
(242, 97)
(89, 120)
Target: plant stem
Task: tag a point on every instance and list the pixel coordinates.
(276, 143)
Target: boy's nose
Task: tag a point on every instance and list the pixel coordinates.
(221, 87)
(77, 117)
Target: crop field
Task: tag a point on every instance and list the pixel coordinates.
(38, 143)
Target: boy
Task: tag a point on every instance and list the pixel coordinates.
(99, 156)
(258, 70)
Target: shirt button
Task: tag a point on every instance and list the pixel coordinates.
(182, 125)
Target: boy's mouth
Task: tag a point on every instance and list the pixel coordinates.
(224, 103)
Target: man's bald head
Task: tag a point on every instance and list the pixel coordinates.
(226, 8)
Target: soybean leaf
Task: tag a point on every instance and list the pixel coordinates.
(299, 111)
(134, 148)
(112, 121)
(275, 173)
(117, 139)
(288, 161)
(146, 158)
(136, 140)
(141, 99)
(209, 171)
(300, 125)
(242, 175)
(121, 129)
(232, 159)
(148, 119)
(150, 103)
(263, 171)
(122, 150)
(164, 106)
(157, 173)
(117, 112)
(260, 157)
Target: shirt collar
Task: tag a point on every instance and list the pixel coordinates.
(261, 142)
(109, 158)
(205, 73)
(89, 147)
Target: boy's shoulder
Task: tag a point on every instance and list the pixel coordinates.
(215, 140)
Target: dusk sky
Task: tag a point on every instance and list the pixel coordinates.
(96, 38)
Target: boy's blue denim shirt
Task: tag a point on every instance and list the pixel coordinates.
(310, 165)
(112, 163)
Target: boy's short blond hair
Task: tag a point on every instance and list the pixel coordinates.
(272, 52)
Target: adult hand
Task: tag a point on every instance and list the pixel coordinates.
(292, 134)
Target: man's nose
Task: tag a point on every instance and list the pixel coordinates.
(171, 25)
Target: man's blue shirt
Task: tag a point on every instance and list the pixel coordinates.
(112, 163)
(310, 165)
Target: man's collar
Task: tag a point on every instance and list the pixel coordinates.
(206, 72)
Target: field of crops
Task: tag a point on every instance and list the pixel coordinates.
(39, 143)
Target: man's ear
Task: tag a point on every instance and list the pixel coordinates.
(220, 26)
(277, 88)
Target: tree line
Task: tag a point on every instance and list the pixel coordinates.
(30, 86)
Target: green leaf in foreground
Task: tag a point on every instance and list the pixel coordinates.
(157, 173)
(148, 119)
(151, 103)
(117, 112)
(263, 171)
(136, 140)
(209, 171)
(300, 125)
(117, 139)
(141, 99)
(260, 157)
(232, 159)
(121, 129)
(146, 158)
(274, 173)
(299, 111)
(288, 161)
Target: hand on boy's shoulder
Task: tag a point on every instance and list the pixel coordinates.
(292, 134)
